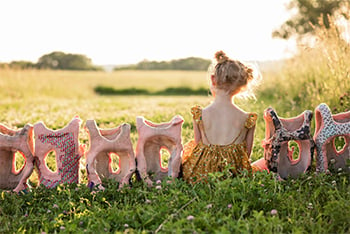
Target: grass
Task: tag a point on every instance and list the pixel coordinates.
(29, 84)
(258, 204)
(317, 203)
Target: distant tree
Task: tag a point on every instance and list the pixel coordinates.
(309, 13)
(191, 63)
(4, 65)
(51, 61)
(22, 65)
(63, 61)
(153, 65)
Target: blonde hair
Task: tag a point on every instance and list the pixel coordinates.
(233, 76)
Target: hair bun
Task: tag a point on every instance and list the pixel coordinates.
(250, 75)
(221, 56)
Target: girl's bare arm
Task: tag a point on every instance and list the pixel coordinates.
(250, 140)
(197, 133)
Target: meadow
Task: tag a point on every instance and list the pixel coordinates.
(317, 203)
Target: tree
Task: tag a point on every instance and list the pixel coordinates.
(51, 61)
(311, 13)
(191, 63)
(63, 61)
(22, 65)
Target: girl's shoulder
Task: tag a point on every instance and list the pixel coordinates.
(249, 117)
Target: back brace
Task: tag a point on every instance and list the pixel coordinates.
(278, 132)
(328, 127)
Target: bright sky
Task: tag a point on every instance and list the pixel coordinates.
(129, 31)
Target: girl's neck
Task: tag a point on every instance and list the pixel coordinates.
(222, 97)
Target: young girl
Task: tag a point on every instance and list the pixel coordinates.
(223, 133)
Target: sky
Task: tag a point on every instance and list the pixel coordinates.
(128, 31)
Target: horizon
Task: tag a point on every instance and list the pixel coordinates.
(123, 33)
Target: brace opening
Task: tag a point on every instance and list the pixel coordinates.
(19, 162)
(293, 150)
(339, 143)
(114, 161)
(164, 157)
(50, 161)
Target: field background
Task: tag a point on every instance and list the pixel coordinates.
(261, 204)
(55, 97)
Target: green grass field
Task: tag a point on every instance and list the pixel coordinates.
(311, 203)
(316, 203)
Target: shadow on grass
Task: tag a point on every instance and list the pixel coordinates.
(171, 91)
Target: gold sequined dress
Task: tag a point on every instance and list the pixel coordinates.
(200, 159)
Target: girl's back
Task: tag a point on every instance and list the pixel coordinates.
(223, 124)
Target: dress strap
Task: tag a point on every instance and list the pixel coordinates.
(197, 116)
(249, 123)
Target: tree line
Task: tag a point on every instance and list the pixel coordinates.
(191, 63)
(56, 61)
(67, 61)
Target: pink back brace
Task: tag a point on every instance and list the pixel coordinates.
(12, 141)
(152, 139)
(66, 146)
(102, 143)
